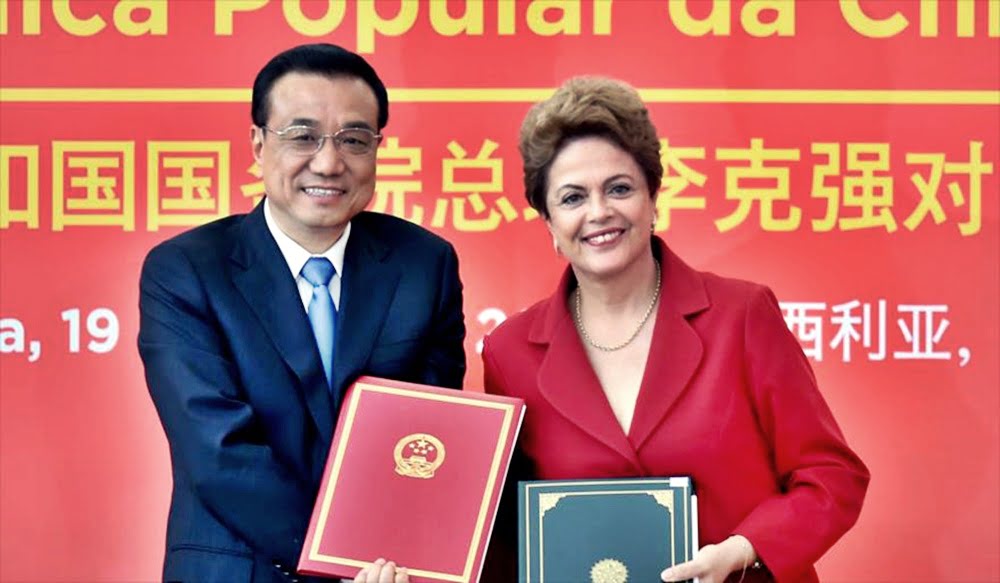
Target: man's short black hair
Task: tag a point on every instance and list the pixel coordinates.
(320, 59)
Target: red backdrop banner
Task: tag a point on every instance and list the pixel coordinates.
(845, 152)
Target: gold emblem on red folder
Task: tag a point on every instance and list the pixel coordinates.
(418, 455)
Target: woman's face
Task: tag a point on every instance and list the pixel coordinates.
(600, 210)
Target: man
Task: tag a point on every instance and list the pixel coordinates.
(253, 326)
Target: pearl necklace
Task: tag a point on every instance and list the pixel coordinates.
(577, 316)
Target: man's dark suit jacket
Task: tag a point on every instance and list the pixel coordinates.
(235, 374)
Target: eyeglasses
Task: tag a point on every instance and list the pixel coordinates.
(306, 141)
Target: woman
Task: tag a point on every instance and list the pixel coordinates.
(639, 365)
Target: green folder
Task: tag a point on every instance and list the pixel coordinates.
(605, 531)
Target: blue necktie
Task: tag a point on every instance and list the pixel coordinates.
(318, 271)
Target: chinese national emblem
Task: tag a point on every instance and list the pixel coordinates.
(418, 455)
(609, 571)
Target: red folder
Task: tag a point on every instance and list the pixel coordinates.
(414, 475)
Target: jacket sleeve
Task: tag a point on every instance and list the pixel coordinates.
(445, 364)
(216, 442)
(823, 482)
(501, 564)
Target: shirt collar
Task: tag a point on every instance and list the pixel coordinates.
(296, 255)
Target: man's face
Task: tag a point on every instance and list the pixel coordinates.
(312, 198)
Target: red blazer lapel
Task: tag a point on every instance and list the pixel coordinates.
(566, 379)
(676, 349)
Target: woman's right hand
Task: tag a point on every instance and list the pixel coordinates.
(382, 571)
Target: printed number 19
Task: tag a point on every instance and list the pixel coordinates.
(102, 326)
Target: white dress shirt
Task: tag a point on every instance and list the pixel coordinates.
(296, 256)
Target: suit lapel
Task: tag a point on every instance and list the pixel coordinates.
(568, 382)
(676, 349)
(367, 289)
(263, 279)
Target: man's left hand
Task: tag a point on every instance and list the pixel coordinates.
(382, 571)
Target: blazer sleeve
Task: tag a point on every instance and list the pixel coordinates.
(501, 564)
(445, 363)
(823, 482)
(215, 440)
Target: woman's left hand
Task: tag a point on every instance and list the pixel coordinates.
(713, 563)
